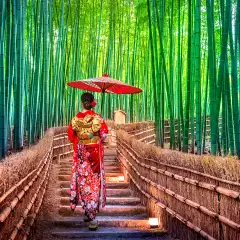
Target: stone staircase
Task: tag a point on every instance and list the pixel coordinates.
(123, 217)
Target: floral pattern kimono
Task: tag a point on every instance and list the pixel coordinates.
(88, 186)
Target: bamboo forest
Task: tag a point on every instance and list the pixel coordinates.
(183, 54)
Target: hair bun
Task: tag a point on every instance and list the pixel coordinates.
(87, 99)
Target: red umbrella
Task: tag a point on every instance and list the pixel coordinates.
(105, 84)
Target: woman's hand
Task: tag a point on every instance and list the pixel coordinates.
(103, 137)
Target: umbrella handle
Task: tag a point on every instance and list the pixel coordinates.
(102, 102)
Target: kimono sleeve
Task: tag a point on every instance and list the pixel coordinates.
(71, 133)
(104, 130)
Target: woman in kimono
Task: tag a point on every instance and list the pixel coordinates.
(87, 132)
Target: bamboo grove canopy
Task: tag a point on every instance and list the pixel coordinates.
(184, 54)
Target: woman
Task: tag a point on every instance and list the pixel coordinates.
(87, 132)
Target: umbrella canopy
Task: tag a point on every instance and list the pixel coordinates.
(105, 84)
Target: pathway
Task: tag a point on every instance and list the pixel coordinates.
(124, 217)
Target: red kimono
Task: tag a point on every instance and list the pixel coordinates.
(88, 186)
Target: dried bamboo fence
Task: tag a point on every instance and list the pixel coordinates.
(23, 183)
(194, 197)
(145, 131)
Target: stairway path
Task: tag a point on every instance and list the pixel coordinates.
(124, 217)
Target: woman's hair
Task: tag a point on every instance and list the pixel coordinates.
(87, 99)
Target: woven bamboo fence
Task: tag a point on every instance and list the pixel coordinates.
(194, 197)
(23, 183)
(145, 131)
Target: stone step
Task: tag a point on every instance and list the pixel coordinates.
(109, 185)
(123, 201)
(108, 163)
(64, 177)
(65, 165)
(110, 160)
(68, 167)
(105, 160)
(106, 221)
(111, 174)
(107, 166)
(110, 232)
(107, 172)
(65, 192)
(111, 163)
(109, 151)
(117, 185)
(113, 180)
(67, 176)
(163, 237)
(112, 167)
(111, 201)
(108, 210)
(67, 170)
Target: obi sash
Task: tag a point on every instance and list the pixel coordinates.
(87, 129)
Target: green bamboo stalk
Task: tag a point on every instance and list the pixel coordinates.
(153, 63)
(234, 76)
(166, 82)
(12, 72)
(3, 123)
(98, 37)
(224, 118)
(34, 129)
(45, 86)
(187, 108)
(204, 119)
(8, 79)
(18, 137)
(229, 113)
(212, 71)
(24, 70)
(197, 29)
(192, 94)
(223, 59)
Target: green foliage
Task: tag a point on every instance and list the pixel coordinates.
(183, 54)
